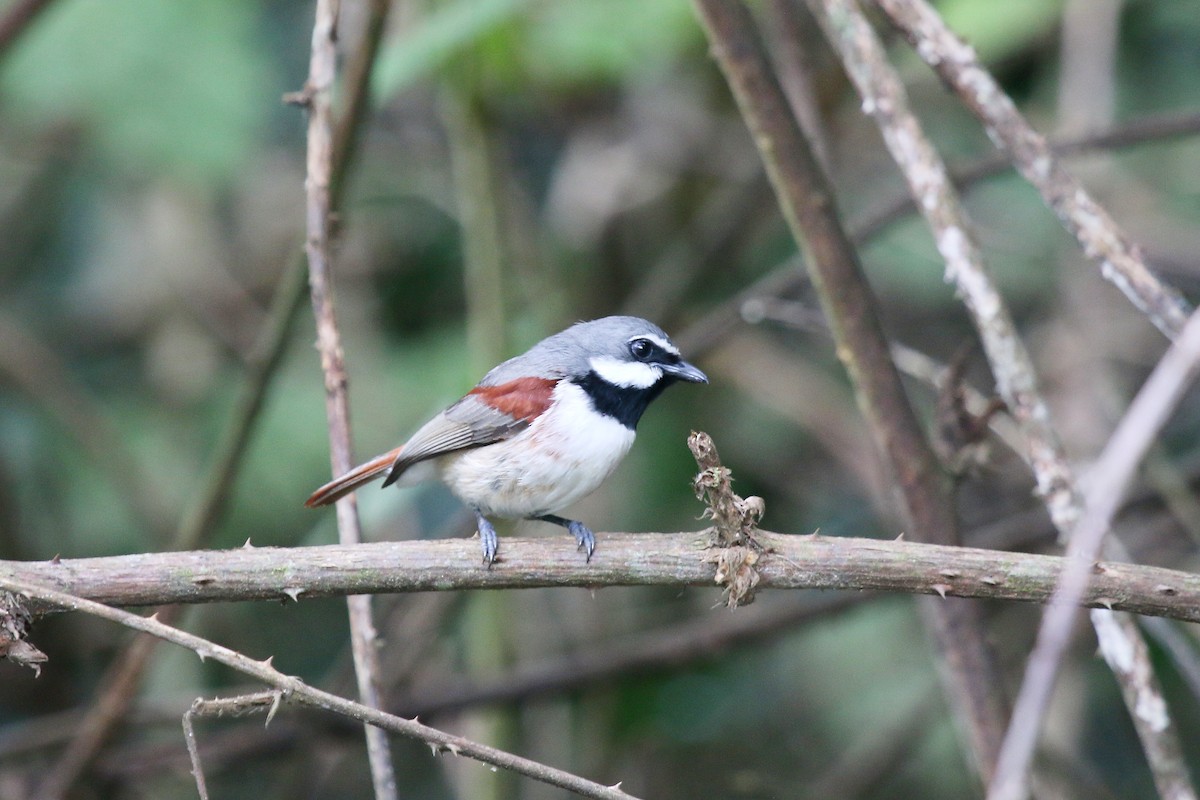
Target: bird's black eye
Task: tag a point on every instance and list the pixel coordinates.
(642, 349)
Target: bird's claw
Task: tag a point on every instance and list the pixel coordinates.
(487, 539)
(584, 536)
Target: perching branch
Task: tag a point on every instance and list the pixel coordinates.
(293, 689)
(622, 559)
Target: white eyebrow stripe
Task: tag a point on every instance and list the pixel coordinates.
(658, 340)
(625, 374)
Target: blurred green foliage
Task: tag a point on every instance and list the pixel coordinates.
(1002, 30)
(163, 87)
(151, 192)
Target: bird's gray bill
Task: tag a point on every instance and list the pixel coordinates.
(685, 372)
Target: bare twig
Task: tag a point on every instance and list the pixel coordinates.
(1143, 130)
(189, 739)
(633, 559)
(294, 689)
(241, 705)
(806, 201)
(710, 330)
(1098, 234)
(885, 99)
(317, 95)
(793, 41)
(662, 649)
(1109, 481)
(1089, 39)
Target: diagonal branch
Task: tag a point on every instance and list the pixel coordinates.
(294, 689)
(1102, 240)
(1137, 131)
(885, 99)
(927, 507)
(1110, 479)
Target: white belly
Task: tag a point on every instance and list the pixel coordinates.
(562, 457)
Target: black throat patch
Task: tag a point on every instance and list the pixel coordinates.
(625, 404)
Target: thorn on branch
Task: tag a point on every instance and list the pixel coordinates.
(302, 98)
(735, 522)
(276, 702)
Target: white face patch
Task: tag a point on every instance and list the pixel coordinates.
(626, 374)
(663, 343)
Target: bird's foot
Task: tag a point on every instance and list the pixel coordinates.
(487, 538)
(584, 536)
(582, 533)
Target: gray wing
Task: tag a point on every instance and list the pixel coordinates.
(467, 423)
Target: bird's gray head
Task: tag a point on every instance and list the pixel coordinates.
(627, 352)
(622, 363)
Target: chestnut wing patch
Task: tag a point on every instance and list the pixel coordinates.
(523, 399)
(487, 414)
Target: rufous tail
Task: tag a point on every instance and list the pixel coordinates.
(339, 487)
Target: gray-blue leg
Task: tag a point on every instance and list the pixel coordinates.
(487, 537)
(581, 532)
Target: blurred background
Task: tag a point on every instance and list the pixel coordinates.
(526, 164)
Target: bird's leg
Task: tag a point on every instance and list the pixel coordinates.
(487, 537)
(581, 532)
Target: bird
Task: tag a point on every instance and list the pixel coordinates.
(540, 430)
